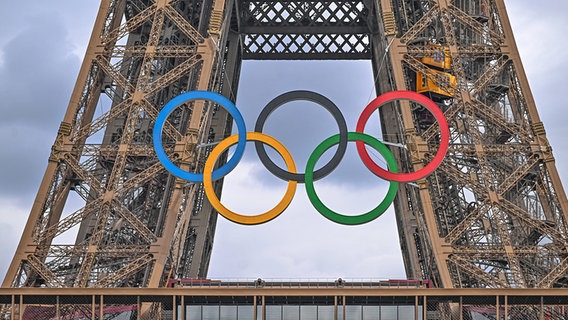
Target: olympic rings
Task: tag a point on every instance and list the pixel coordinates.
(189, 96)
(341, 139)
(310, 96)
(428, 104)
(340, 218)
(239, 218)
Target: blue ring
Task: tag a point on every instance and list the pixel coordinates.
(189, 96)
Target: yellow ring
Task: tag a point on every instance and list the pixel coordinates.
(233, 216)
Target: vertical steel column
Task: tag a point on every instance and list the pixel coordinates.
(174, 306)
(263, 308)
(497, 307)
(506, 312)
(93, 306)
(335, 308)
(183, 308)
(415, 308)
(138, 307)
(343, 308)
(461, 308)
(425, 313)
(101, 307)
(541, 317)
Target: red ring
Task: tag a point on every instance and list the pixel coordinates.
(428, 104)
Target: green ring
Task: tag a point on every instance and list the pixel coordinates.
(337, 217)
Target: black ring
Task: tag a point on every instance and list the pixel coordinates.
(313, 97)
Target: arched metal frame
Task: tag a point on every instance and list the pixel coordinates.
(492, 215)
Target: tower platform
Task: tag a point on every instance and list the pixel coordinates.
(285, 300)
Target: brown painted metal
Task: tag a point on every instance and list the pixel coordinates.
(133, 211)
(493, 215)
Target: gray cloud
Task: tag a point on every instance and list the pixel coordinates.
(36, 78)
(7, 236)
(12, 220)
(35, 87)
(539, 33)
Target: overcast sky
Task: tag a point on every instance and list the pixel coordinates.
(42, 44)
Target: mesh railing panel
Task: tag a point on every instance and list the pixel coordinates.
(254, 304)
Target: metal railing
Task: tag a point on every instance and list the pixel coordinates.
(283, 303)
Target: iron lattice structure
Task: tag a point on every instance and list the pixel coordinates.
(492, 215)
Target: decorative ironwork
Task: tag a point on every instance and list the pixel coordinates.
(492, 215)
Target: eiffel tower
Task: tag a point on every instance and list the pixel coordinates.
(493, 215)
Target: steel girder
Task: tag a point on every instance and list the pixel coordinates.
(492, 215)
(292, 30)
(130, 219)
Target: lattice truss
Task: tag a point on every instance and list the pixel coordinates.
(305, 29)
(130, 223)
(493, 214)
